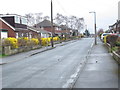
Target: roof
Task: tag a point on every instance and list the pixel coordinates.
(45, 23)
(7, 24)
(64, 27)
(37, 29)
(9, 15)
(20, 29)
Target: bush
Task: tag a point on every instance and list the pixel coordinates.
(24, 41)
(45, 41)
(35, 41)
(56, 38)
(111, 39)
(118, 42)
(13, 42)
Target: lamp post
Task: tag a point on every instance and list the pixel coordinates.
(95, 27)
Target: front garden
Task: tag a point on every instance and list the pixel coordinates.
(112, 41)
(10, 46)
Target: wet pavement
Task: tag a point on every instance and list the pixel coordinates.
(100, 71)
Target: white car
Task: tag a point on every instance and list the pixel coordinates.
(104, 34)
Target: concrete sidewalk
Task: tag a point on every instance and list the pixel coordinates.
(23, 55)
(100, 71)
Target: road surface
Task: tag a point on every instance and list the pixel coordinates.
(56, 68)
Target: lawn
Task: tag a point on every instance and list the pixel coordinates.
(1, 55)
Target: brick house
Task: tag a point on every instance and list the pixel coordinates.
(115, 28)
(6, 30)
(46, 25)
(66, 31)
(19, 23)
(38, 32)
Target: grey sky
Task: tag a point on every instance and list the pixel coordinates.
(106, 10)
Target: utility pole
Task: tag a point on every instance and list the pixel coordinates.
(95, 27)
(52, 44)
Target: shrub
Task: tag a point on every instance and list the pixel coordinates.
(24, 41)
(35, 41)
(13, 42)
(45, 41)
(111, 39)
(56, 38)
(118, 42)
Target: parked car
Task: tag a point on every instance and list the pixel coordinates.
(104, 34)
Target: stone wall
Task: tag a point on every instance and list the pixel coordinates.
(8, 51)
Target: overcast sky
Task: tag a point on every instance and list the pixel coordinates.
(106, 10)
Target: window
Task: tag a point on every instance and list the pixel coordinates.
(16, 35)
(17, 19)
(23, 20)
(4, 34)
(20, 20)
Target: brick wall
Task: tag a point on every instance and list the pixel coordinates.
(11, 32)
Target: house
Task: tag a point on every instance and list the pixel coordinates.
(19, 23)
(119, 10)
(6, 30)
(66, 31)
(38, 32)
(118, 26)
(115, 28)
(46, 25)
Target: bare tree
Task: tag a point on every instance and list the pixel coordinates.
(30, 19)
(59, 19)
(38, 17)
(79, 23)
(72, 20)
(76, 23)
(46, 18)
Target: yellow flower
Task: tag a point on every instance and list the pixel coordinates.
(13, 42)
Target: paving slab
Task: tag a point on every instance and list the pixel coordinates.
(100, 71)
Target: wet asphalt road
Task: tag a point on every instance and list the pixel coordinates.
(56, 68)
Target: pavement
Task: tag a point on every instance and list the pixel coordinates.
(100, 71)
(23, 55)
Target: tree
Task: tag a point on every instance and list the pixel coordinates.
(33, 18)
(87, 33)
(38, 17)
(100, 31)
(76, 23)
(30, 19)
(59, 19)
(79, 23)
(46, 17)
(72, 21)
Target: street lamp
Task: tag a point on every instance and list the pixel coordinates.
(95, 27)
